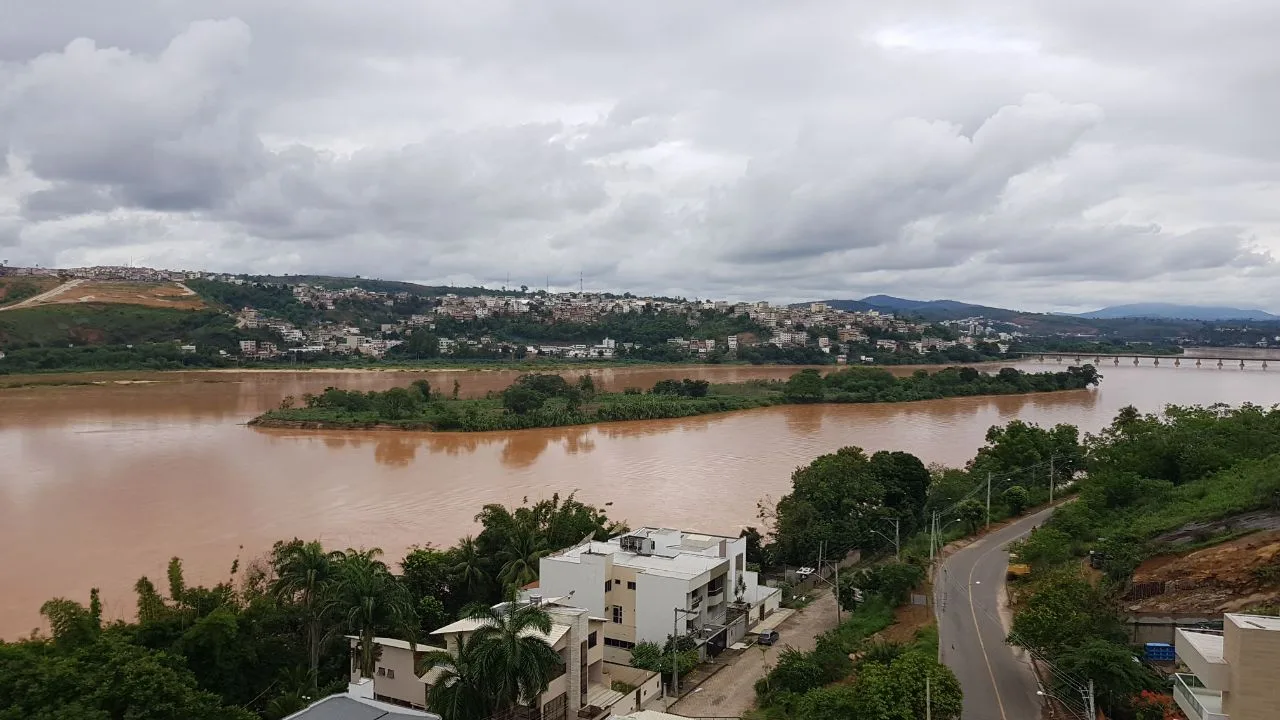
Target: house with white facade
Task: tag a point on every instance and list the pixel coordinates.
(652, 582)
(584, 688)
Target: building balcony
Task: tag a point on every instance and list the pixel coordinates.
(715, 597)
(1197, 701)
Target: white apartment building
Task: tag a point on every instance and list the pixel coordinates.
(1233, 674)
(584, 688)
(637, 581)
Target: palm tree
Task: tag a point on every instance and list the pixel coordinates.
(520, 558)
(306, 577)
(459, 690)
(513, 654)
(470, 567)
(370, 597)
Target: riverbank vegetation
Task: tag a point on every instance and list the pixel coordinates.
(546, 400)
(272, 635)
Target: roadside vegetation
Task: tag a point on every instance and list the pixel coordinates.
(259, 644)
(547, 400)
(1147, 476)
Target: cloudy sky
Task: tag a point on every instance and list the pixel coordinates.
(1037, 154)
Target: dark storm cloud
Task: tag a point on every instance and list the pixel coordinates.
(1006, 152)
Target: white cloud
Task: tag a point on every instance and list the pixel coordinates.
(1022, 154)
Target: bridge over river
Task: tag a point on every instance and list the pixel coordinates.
(1138, 358)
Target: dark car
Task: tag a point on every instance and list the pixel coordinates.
(768, 637)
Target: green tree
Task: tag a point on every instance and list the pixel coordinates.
(520, 559)
(586, 387)
(1062, 612)
(1016, 499)
(892, 581)
(513, 653)
(107, 679)
(522, 400)
(1117, 676)
(460, 690)
(834, 500)
(72, 624)
(804, 387)
(370, 598)
(305, 575)
(470, 569)
(972, 513)
(905, 480)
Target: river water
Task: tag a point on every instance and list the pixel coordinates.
(101, 484)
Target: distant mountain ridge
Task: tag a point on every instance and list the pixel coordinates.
(935, 310)
(1177, 312)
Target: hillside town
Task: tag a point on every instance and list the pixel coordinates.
(478, 323)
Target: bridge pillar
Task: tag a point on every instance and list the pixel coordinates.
(1219, 365)
(1041, 358)
(1197, 362)
(1077, 359)
(1264, 364)
(1241, 367)
(1117, 361)
(1097, 360)
(1157, 363)
(1177, 362)
(1135, 362)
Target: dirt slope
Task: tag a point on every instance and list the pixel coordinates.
(1229, 577)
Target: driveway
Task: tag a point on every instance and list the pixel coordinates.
(731, 691)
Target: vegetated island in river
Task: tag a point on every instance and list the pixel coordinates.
(546, 400)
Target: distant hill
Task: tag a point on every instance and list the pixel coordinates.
(332, 282)
(1168, 311)
(927, 309)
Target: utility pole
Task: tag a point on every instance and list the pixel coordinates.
(928, 699)
(675, 659)
(897, 538)
(1093, 713)
(988, 499)
(837, 593)
(1051, 482)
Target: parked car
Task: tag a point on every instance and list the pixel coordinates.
(768, 637)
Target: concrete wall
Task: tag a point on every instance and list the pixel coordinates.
(656, 597)
(405, 686)
(1254, 656)
(1160, 627)
(559, 577)
(648, 686)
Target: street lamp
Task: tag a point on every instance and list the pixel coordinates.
(896, 539)
(936, 530)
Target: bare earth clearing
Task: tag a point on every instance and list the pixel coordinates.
(158, 295)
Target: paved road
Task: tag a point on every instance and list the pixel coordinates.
(969, 594)
(731, 692)
(42, 296)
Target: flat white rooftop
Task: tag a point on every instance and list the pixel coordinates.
(1254, 622)
(1208, 645)
(694, 555)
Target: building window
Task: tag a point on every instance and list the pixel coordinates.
(591, 640)
(617, 614)
(391, 674)
(382, 672)
(620, 644)
(606, 586)
(631, 585)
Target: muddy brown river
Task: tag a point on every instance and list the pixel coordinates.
(101, 484)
